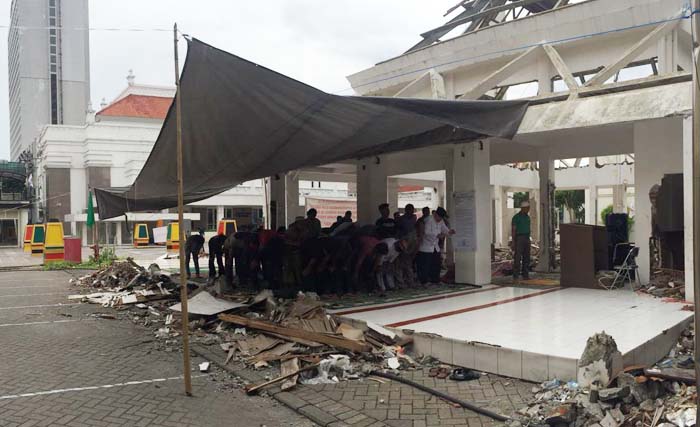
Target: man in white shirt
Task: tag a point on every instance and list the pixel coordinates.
(428, 259)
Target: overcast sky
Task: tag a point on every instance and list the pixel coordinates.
(316, 41)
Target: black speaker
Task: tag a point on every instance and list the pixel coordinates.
(669, 203)
(616, 226)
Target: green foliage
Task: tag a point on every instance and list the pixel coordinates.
(106, 258)
(573, 201)
(605, 212)
(519, 197)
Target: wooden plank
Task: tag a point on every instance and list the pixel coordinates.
(686, 376)
(561, 68)
(632, 53)
(333, 341)
(497, 76)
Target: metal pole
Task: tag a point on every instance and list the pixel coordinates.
(695, 18)
(180, 219)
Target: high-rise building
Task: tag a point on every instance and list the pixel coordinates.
(49, 67)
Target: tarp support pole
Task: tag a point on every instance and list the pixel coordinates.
(180, 219)
(695, 18)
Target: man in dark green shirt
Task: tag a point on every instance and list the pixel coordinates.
(520, 227)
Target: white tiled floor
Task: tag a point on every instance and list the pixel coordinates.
(556, 324)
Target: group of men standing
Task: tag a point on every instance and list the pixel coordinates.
(397, 252)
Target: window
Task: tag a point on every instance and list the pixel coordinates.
(211, 219)
(228, 213)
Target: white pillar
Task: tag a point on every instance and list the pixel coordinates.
(498, 214)
(83, 226)
(284, 196)
(118, 237)
(219, 214)
(688, 206)
(471, 173)
(546, 166)
(658, 150)
(371, 190)
(590, 208)
(619, 195)
(392, 194)
(73, 228)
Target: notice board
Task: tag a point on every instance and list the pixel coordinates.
(464, 222)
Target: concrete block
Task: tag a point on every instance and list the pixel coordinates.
(486, 358)
(463, 354)
(510, 362)
(441, 349)
(535, 367)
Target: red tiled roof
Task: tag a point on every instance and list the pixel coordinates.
(147, 107)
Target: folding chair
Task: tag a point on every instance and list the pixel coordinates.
(628, 270)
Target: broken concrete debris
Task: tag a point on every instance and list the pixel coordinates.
(634, 396)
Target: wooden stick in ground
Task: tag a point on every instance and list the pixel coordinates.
(254, 389)
(337, 342)
(180, 220)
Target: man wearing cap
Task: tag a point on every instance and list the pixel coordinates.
(520, 230)
(428, 259)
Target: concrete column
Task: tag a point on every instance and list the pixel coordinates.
(83, 226)
(687, 206)
(546, 165)
(371, 190)
(284, 197)
(658, 150)
(392, 194)
(498, 215)
(667, 48)
(619, 194)
(118, 237)
(471, 173)
(590, 204)
(73, 228)
(219, 213)
(534, 215)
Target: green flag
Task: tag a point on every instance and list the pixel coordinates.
(90, 211)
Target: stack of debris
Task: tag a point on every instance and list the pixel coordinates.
(666, 283)
(125, 282)
(502, 260)
(308, 342)
(605, 396)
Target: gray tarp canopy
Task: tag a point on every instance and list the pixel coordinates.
(241, 121)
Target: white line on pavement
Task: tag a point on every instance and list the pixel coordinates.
(39, 306)
(32, 295)
(95, 387)
(29, 287)
(5, 325)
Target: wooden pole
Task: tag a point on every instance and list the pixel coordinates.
(695, 23)
(181, 229)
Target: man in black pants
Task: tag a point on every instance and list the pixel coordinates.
(193, 246)
(428, 257)
(216, 250)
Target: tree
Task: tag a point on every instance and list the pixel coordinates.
(519, 197)
(573, 201)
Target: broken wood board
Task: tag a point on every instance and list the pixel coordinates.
(350, 333)
(686, 376)
(334, 341)
(308, 343)
(205, 304)
(274, 353)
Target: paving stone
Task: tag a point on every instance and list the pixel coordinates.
(317, 415)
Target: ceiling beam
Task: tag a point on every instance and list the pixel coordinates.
(404, 89)
(632, 53)
(562, 69)
(497, 76)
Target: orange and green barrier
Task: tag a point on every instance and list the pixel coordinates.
(172, 244)
(141, 235)
(38, 236)
(54, 250)
(27, 241)
(227, 227)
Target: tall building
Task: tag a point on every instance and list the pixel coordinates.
(49, 67)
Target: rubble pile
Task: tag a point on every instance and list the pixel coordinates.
(666, 283)
(663, 395)
(125, 282)
(502, 260)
